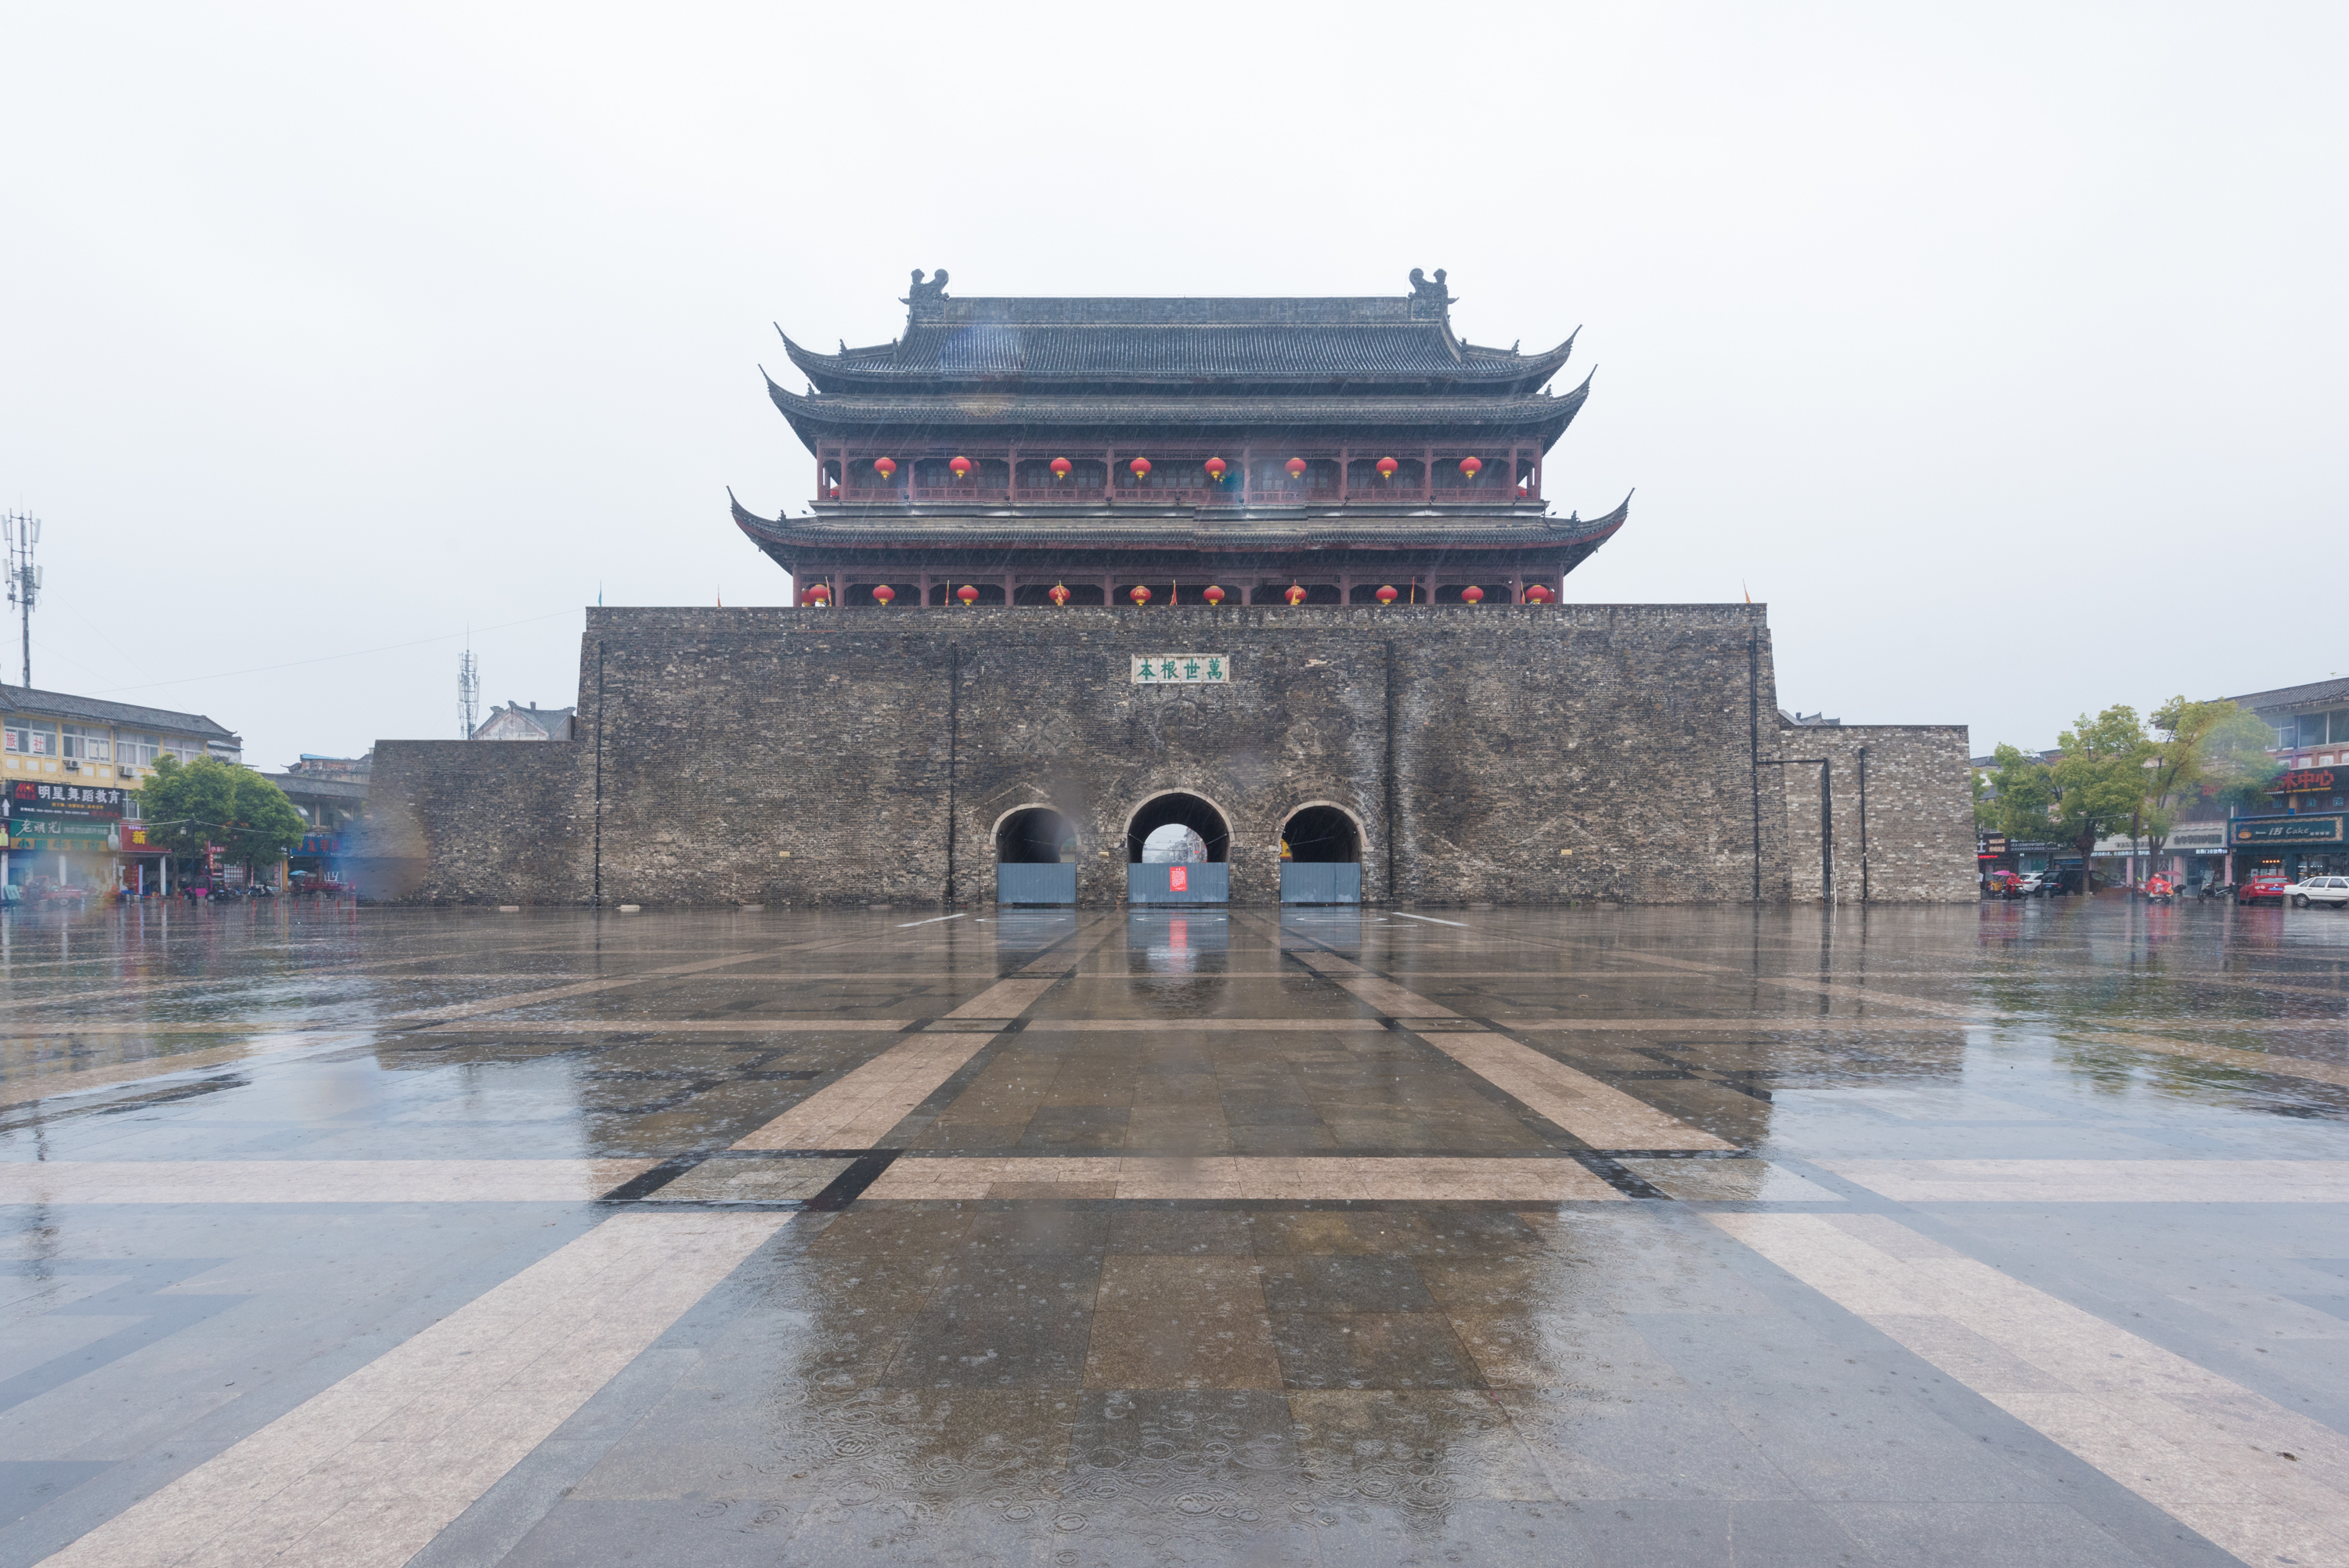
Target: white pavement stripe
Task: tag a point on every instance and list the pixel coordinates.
(934, 920)
(1302, 1179)
(1430, 919)
(858, 1110)
(366, 1473)
(667, 1025)
(314, 1181)
(1210, 1025)
(2100, 1181)
(1005, 999)
(1763, 1023)
(1599, 1113)
(2205, 1450)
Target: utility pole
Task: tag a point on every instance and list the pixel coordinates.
(469, 695)
(22, 532)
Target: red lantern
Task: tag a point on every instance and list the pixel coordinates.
(885, 467)
(960, 468)
(835, 492)
(1471, 594)
(1215, 467)
(1539, 593)
(1140, 595)
(884, 593)
(1213, 595)
(1387, 595)
(819, 593)
(968, 594)
(1296, 467)
(1389, 467)
(1062, 468)
(1059, 595)
(1141, 466)
(1295, 595)
(1471, 467)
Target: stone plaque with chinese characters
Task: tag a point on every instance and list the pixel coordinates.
(1181, 669)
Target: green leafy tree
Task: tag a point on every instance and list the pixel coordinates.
(190, 805)
(2214, 749)
(2100, 780)
(2097, 786)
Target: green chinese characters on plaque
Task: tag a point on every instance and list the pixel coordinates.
(1181, 669)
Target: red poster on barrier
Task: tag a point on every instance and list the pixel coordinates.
(1178, 879)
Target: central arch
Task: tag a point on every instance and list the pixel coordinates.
(1207, 882)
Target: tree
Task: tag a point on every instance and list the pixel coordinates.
(190, 805)
(2206, 748)
(2099, 779)
(2096, 787)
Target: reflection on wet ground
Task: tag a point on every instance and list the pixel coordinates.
(2004, 1235)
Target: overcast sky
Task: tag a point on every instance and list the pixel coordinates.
(1997, 348)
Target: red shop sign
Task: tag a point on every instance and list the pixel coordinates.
(2317, 779)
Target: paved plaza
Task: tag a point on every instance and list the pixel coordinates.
(2007, 1235)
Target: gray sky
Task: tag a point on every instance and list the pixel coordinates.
(1996, 347)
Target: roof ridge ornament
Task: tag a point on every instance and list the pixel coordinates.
(925, 301)
(1429, 300)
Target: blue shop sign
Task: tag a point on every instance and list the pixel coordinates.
(2307, 829)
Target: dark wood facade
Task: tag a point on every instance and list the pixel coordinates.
(1335, 446)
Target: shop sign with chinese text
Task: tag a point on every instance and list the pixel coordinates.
(28, 799)
(2288, 831)
(1181, 669)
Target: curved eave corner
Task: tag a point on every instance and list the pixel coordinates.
(1539, 367)
(797, 410)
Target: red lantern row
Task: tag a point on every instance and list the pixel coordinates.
(963, 468)
(819, 594)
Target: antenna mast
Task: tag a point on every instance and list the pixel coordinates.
(469, 693)
(22, 532)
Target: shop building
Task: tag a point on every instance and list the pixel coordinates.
(2299, 833)
(70, 771)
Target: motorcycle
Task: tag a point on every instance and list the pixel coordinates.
(2217, 890)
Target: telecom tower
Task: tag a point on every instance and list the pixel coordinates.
(22, 532)
(469, 693)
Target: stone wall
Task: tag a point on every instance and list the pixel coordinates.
(483, 821)
(1502, 754)
(1918, 837)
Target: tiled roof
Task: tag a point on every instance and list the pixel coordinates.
(1535, 417)
(1254, 353)
(1177, 528)
(2309, 696)
(58, 705)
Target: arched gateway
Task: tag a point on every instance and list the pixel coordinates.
(1035, 857)
(1321, 856)
(1154, 873)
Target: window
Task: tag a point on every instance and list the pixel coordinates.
(137, 750)
(88, 745)
(32, 739)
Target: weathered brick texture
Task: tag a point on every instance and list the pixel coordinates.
(1914, 846)
(881, 750)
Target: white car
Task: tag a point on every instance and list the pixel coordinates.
(2334, 891)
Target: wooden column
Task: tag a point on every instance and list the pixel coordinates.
(1109, 590)
(1345, 463)
(1345, 588)
(1248, 476)
(925, 590)
(1108, 474)
(1011, 476)
(1427, 475)
(1010, 588)
(1516, 579)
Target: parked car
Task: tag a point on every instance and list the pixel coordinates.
(2333, 891)
(2260, 890)
(2033, 884)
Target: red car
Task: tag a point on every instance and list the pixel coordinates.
(2263, 888)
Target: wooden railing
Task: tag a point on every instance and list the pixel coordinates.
(1491, 495)
(959, 492)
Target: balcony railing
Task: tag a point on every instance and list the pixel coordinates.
(959, 492)
(871, 495)
(1490, 495)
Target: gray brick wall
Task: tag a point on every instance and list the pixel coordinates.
(808, 756)
(1920, 831)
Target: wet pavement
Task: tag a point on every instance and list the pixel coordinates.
(2004, 1235)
